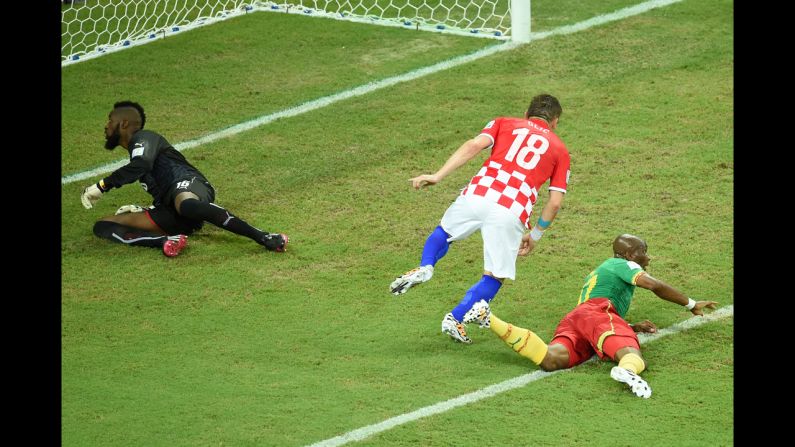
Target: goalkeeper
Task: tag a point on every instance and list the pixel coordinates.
(183, 199)
(596, 325)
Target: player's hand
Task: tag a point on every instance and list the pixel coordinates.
(645, 326)
(90, 196)
(528, 244)
(424, 180)
(700, 305)
(129, 209)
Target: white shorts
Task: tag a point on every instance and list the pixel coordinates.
(501, 231)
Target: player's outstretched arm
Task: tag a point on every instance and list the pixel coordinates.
(460, 157)
(669, 293)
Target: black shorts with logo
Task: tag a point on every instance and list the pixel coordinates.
(166, 216)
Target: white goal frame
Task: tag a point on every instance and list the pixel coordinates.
(92, 28)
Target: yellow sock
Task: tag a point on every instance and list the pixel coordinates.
(521, 340)
(632, 362)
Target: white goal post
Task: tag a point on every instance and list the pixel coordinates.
(92, 28)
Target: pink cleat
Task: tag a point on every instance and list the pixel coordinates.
(174, 245)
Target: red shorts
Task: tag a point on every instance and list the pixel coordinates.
(591, 328)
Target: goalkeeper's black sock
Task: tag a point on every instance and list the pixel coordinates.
(128, 235)
(218, 216)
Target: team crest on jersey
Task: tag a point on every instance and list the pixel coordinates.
(144, 186)
(137, 151)
(488, 126)
(633, 265)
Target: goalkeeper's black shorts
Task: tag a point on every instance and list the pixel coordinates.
(166, 216)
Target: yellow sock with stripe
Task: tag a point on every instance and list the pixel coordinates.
(521, 340)
(632, 362)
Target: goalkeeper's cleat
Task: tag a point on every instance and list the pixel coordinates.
(174, 245)
(636, 384)
(479, 313)
(404, 282)
(455, 329)
(275, 242)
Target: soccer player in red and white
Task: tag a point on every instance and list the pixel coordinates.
(525, 154)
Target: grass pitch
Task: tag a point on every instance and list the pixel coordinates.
(230, 345)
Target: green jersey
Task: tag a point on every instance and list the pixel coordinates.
(614, 279)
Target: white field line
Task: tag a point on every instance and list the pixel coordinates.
(377, 85)
(306, 107)
(510, 384)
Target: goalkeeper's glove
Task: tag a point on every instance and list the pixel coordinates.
(91, 195)
(129, 209)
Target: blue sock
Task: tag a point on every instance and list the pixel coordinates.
(436, 247)
(485, 289)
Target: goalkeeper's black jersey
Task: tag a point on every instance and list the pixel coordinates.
(155, 163)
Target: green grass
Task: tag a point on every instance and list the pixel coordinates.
(229, 345)
(234, 74)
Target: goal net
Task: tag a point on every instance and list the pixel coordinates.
(482, 18)
(91, 28)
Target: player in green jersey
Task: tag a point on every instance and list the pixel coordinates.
(596, 325)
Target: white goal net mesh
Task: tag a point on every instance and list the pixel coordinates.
(483, 18)
(91, 28)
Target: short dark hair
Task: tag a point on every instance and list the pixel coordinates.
(135, 106)
(545, 106)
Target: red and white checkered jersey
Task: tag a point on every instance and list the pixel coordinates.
(524, 155)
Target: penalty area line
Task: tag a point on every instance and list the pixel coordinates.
(510, 384)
